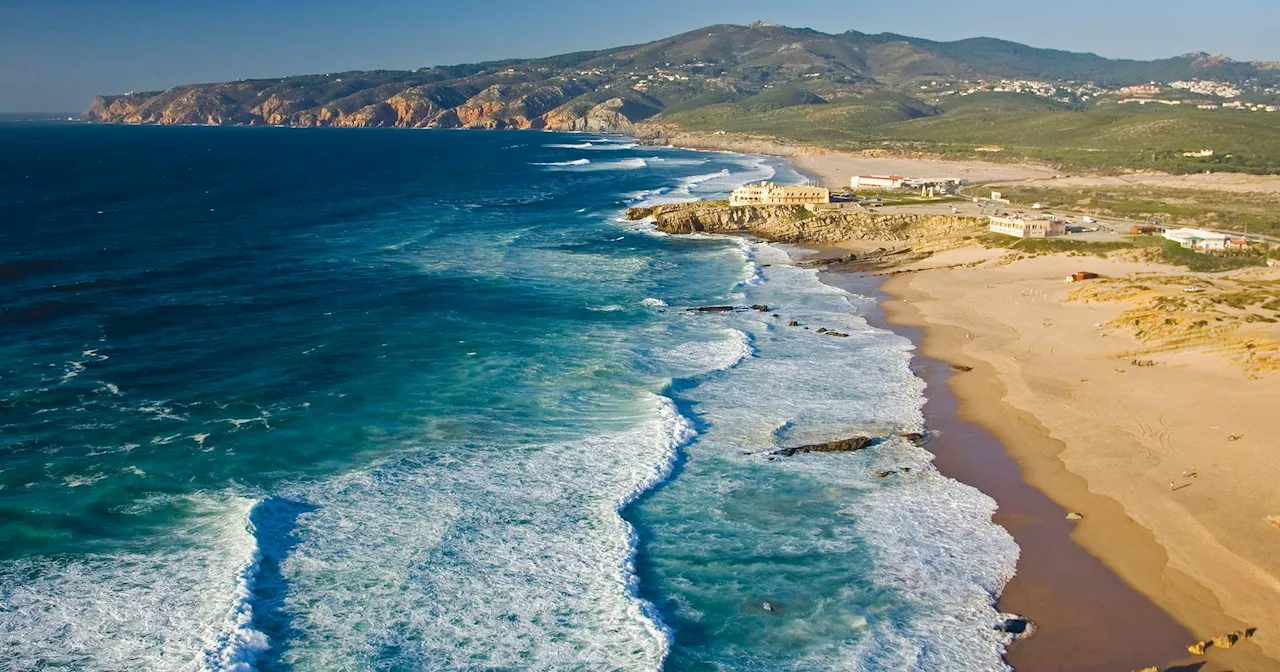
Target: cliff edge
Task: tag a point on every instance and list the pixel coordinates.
(795, 224)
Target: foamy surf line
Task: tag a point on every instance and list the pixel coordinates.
(584, 165)
(924, 531)
(596, 146)
(188, 608)
(676, 432)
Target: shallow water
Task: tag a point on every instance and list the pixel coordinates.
(279, 399)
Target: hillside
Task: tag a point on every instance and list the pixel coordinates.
(850, 90)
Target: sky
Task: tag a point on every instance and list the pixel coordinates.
(55, 55)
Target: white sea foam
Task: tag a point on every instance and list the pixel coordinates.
(931, 546)
(181, 608)
(238, 645)
(72, 370)
(699, 357)
(406, 560)
(596, 146)
(651, 302)
(575, 162)
(586, 165)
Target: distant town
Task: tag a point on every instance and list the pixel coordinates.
(1205, 94)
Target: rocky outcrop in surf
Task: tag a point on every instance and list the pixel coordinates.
(849, 445)
(795, 224)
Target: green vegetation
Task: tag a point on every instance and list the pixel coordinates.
(845, 91)
(1165, 251)
(1101, 138)
(1052, 245)
(1173, 253)
(1252, 212)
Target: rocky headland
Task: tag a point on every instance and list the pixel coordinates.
(796, 224)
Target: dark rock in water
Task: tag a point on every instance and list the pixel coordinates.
(822, 330)
(763, 309)
(841, 446)
(712, 309)
(1018, 627)
(961, 367)
(776, 315)
(916, 438)
(793, 323)
(893, 472)
(837, 334)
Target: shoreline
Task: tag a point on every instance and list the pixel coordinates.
(1145, 575)
(1131, 551)
(1058, 585)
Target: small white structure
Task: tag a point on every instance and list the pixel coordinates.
(877, 181)
(1024, 228)
(1198, 239)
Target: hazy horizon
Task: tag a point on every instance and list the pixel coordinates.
(57, 54)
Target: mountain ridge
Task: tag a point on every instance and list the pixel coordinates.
(758, 55)
(707, 74)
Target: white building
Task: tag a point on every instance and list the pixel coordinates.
(768, 193)
(1027, 228)
(1197, 239)
(877, 181)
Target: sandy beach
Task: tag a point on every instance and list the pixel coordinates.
(1163, 443)
(1172, 466)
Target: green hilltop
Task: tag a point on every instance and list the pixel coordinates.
(850, 90)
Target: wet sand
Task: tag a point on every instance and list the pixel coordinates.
(1087, 618)
(1047, 386)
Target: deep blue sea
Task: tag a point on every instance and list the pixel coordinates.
(280, 399)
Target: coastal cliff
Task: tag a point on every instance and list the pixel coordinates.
(566, 107)
(795, 224)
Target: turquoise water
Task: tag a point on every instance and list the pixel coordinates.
(312, 400)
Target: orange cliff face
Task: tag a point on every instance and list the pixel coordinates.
(522, 105)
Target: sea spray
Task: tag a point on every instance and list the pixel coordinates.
(239, 644)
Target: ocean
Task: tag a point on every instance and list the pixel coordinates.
(326, 399)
